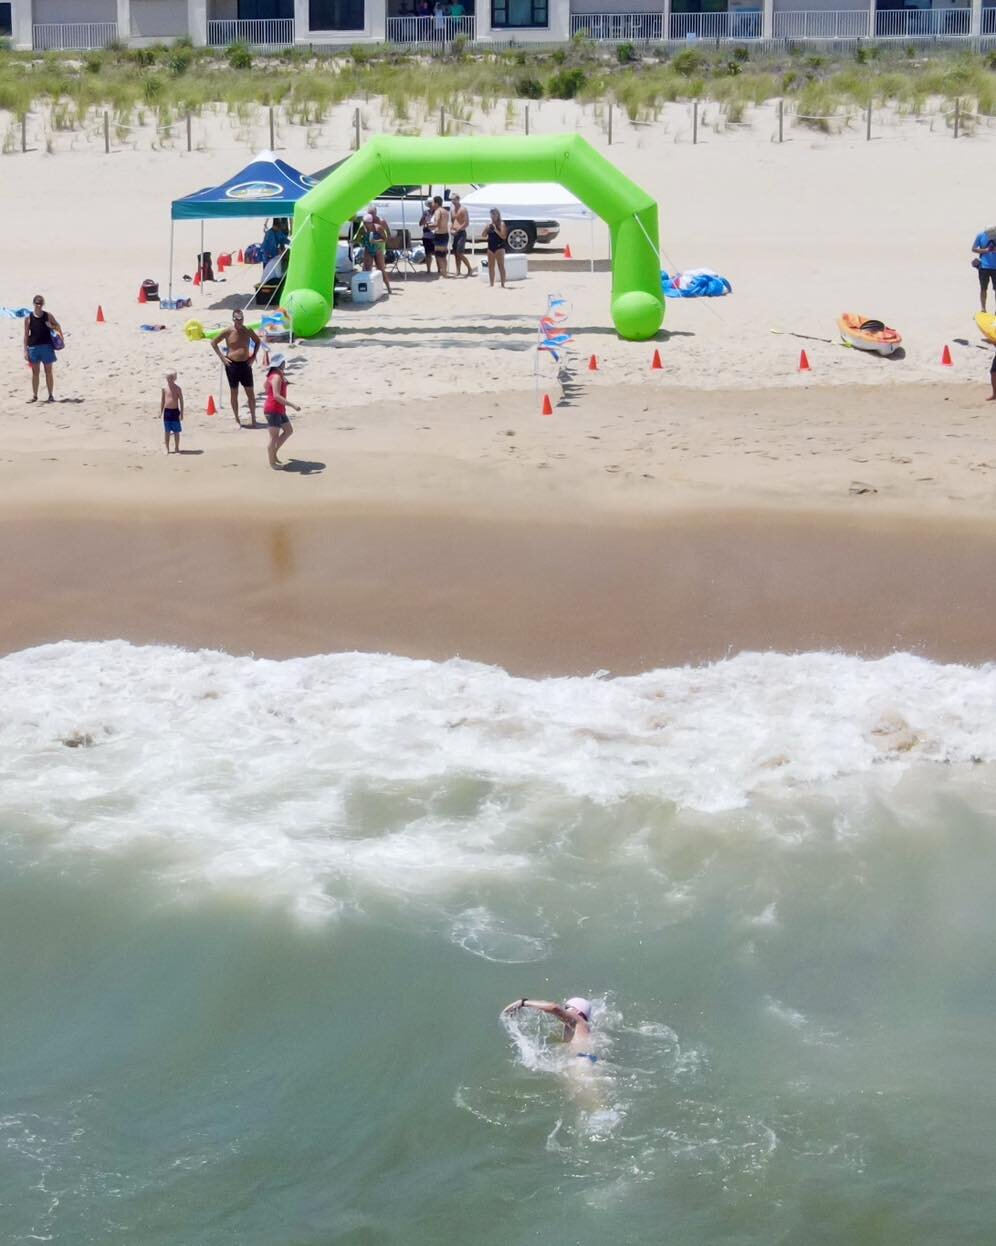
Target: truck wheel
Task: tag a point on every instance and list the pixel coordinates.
(521, 237)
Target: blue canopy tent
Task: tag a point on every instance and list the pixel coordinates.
(266, 187)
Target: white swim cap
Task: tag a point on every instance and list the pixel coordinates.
(583, 1006)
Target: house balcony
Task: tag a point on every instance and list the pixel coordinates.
(842, 25)
(72, 36)
(426, 31)
(260, 32)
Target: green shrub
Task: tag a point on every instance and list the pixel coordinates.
(239, 56)
(558, 56)
(179, 62)
(152, 88)
(566, 84)
(688, 62)
(529, 89)
(741, 53)
(93, 62)
(625, 53)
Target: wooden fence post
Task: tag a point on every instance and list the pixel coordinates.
(24, 133)
(868, 123)
(442, 121)
(356, 124)
(107, 134)
(695, 121)
(527, 119)
(188, 131)
(273, 141)
(781, 121)
(957, 117)
(610, 125)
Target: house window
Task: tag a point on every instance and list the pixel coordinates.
(6, 29)
(265, 10)
(336, 15)
(519, 14)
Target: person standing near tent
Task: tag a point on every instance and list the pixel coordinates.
(458, 228)
(241, 348)
(984, 247)
(425, 224)
(497, 236)
(440, 234)
(39, 345)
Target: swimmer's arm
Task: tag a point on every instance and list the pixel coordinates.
(542, 1005)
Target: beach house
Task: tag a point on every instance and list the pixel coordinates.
(82, 24)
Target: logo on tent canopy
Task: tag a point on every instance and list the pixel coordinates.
(255, 190)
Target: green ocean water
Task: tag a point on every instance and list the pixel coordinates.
(795, 996)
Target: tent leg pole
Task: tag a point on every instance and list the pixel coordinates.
(172, 227)
(591, 242)
(200, 259)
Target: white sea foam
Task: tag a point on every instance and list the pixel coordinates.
(313, 779)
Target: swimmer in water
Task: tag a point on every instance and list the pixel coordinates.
(576, 1016)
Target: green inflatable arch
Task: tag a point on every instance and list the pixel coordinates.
(630, 213)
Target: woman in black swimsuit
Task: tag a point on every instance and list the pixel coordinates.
(497, 236)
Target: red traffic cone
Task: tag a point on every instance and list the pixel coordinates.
(593, 364)
(242, 258)
(547, 405)
(567, 252)
(197, 277)
(100, 314)
(142, 296)
(211, 408)
(804, 362)
(946, 357)
(656, 362)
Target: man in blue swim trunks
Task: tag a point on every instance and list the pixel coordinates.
(576, 1016)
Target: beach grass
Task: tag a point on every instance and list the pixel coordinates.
(414, 86)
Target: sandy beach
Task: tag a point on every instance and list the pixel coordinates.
(420, 418)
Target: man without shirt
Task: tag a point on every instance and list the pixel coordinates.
(243, 346)
(459, 223)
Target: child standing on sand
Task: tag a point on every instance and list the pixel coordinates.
(171, 411)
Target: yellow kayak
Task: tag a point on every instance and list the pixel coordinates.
(987, 325)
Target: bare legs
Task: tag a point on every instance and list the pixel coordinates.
(49, 382)
(278, 435)
(176, 442)
(379, 261)
(234, 391)
(250, 399)
(497, 261)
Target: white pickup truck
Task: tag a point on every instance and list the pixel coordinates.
(402, 206)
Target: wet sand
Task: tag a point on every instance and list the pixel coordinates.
(536, 598)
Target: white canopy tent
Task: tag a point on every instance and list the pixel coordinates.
(537, 201)
(532, 201)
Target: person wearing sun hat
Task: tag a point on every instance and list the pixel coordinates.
(275, 408)
(575, 1013)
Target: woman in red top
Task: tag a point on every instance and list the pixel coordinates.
(275, 406)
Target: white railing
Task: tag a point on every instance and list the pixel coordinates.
(841, 24)
(736, 24)
(922, 23)
(430, 29)
(619, 27)
(988, 20)
(266, 32)
(72, 36)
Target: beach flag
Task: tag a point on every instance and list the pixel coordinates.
(804, 362)
(946, 357)
(547, 405)
(100, 314)
(656, 364)
(211, 408)
(567, 252)
(593, 364)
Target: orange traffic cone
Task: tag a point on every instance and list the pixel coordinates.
(547, 405)
(197, 277)
(946, 357)
(211, 408)
(567, 252)
(656, 363)
(593, 364)
(803, 362)
(100, 314)
(142, 296)
(242, 258)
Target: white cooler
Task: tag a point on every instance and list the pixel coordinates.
(368, 287)
(516, 267)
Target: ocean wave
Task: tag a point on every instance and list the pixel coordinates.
(318, 777)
